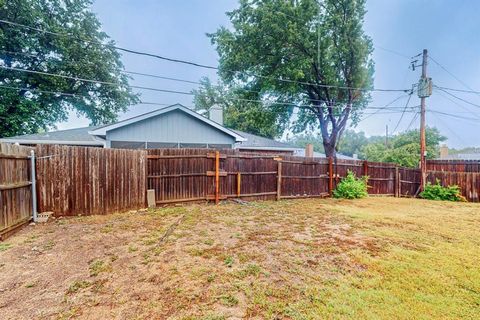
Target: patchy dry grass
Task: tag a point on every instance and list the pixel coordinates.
(379, 258)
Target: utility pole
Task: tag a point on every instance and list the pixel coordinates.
(424, 91)
(386, 135)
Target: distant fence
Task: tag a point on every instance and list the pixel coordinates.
(454, 165)
(15, 187)
(469, 182)
(181, 175)
(78, 180)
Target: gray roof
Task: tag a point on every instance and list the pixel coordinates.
(258, 142)
(77, 136)
(301, 153)
(462, 156)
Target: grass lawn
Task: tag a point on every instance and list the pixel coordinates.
(376, 258)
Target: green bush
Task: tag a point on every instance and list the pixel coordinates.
(351, 187)
(438, 192)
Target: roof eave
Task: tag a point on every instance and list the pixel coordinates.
(266, 148)
(61, 142)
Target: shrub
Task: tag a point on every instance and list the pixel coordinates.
(438, 192)
(351, 187)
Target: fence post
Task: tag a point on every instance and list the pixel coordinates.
(239, 184)
(217, 177)
(330, 176)
(34, 186)
(279, 179)
(397, 183)
(365, 168)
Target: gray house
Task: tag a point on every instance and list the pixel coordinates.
(172, 127)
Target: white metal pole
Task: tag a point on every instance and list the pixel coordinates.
(34, 186)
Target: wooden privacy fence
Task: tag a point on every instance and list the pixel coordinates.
(78, 180)
(469, 182)
(15, 187)
(181, 175)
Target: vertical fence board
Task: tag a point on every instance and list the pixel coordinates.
(15, 187)
(79, 180)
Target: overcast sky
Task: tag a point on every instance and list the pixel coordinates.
(449, 29)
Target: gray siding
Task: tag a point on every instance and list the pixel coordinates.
(173, 127)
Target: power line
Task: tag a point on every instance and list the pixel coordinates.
(393, 51)
(74, 95)
(107, 45)
(145, 102)
(458, 104)
(457, 97)
(448, 127)
(194, 63)
(403, 113)
(458, 90)
(94, 81)
(157, 89)
(386, 106)
(451, 74)
(157, 77)
(475, 121)
(415, 116)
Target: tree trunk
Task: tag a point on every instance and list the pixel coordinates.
(329, 147)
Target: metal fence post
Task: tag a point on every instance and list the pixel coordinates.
(34, 186)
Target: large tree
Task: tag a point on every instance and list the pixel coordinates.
(32, 102)
(313, 53)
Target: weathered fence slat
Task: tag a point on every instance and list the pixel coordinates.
(15, 188)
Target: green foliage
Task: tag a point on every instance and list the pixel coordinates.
(438, 192)
(28, 111)
(241, 111)
(404, 149)
(314, 46)
(301, 140)
(351, 187)
(352, 142)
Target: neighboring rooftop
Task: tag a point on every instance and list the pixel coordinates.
(257, 142)
(462, 156)
(445, 154)
(77, 136)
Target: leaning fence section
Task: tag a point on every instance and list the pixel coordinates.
(79, 180)
(15, 187)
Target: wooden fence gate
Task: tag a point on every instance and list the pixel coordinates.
(15, 187)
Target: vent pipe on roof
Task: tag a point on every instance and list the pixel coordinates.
(216, 114)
